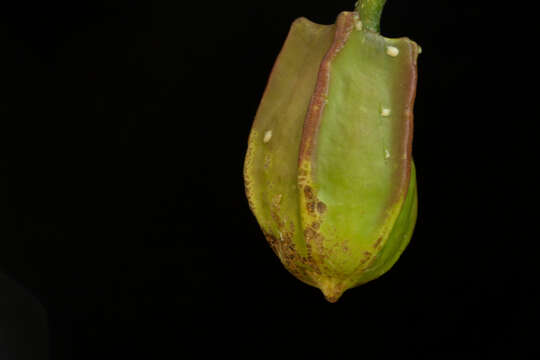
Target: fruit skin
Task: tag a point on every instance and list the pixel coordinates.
(328, 172)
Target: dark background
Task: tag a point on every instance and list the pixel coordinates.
(123, 128)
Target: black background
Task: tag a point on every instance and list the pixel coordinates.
(123, 129)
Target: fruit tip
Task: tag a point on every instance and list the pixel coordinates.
(332, 290)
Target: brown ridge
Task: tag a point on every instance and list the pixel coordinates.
(344, 26)
(409, 121)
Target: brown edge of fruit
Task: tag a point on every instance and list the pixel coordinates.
(344, 27)
(409, 120)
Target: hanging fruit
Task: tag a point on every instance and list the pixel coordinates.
(328, 172)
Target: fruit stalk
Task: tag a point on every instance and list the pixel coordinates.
(370, 12)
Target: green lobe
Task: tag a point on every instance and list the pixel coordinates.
(271, 167)
(362, 157)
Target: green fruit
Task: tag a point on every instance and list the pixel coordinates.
(328, 172)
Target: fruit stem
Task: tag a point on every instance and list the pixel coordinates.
(370, 12)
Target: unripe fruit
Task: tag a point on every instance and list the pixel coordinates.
(329, 173)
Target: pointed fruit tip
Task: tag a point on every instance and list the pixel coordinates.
(332, 290)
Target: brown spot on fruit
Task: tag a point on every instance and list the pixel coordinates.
(276, 200)
(267, 161)
(308, 192)
(310, 206)
(318, 240)
(285, 248)
(378, 242)
(273, 243)
(321, 207)
(367, 256)
(277, 219)
(309, 234)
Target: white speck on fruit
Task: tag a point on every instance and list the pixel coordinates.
(385, 112)
(267, 136)
(392, 51)
(386, 154)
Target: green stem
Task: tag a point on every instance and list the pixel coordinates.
(370, 13)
